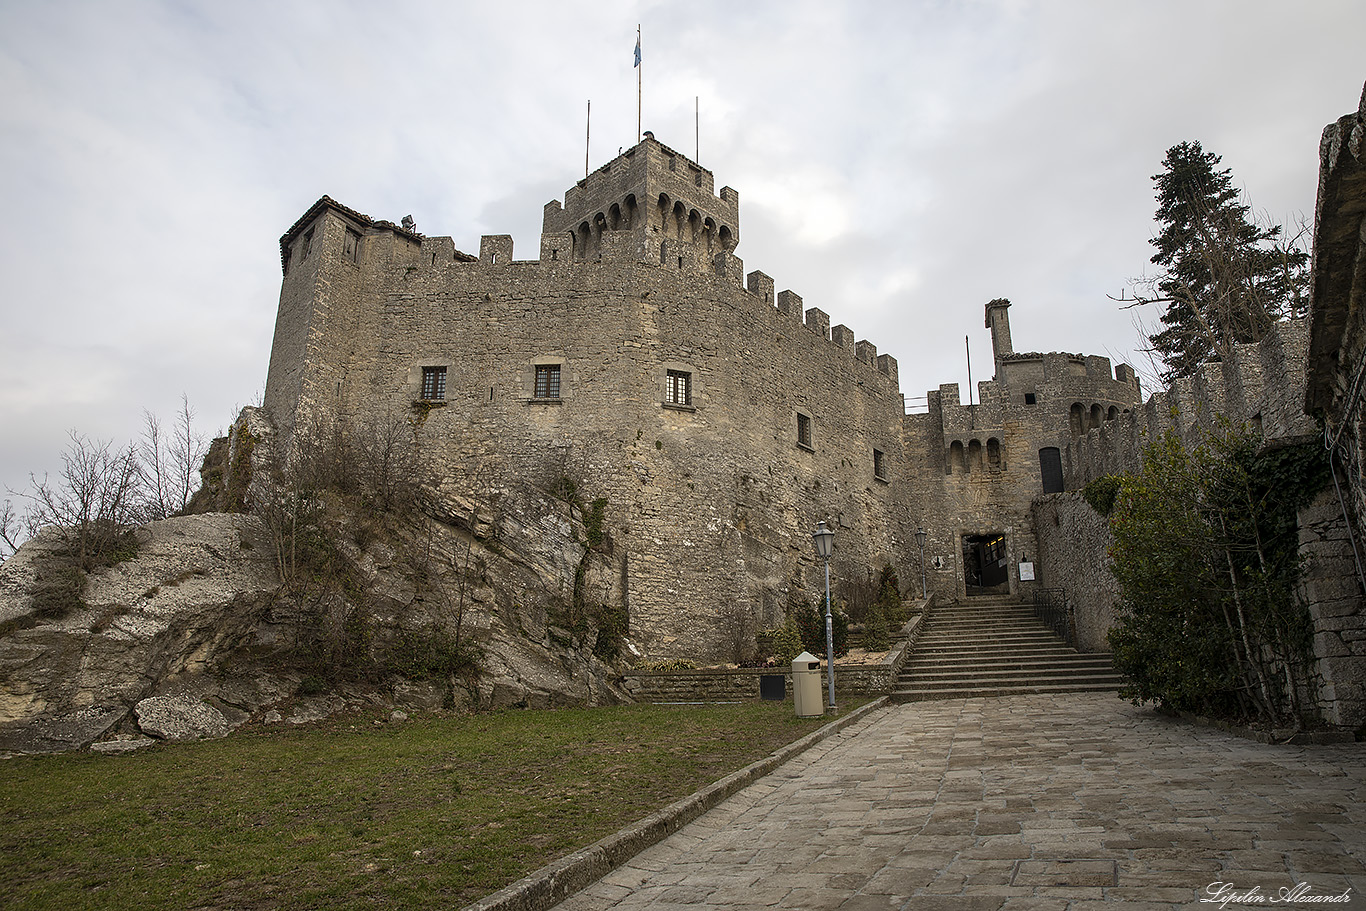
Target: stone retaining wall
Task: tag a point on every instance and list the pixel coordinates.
(1074, 543)
(730, 684)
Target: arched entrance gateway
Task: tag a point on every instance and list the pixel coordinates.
(984, 565)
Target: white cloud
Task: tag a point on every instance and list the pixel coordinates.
(898, 163)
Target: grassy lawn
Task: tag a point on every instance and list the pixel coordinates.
(350, 813)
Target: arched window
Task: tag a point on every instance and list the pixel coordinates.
(1095, 416)
(994, 454)
(581, 238)
(957, 465)
(1112, 413)
(680, 219)
(974, 456)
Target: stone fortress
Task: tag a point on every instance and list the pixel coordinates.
(717, 421)
(630, 428)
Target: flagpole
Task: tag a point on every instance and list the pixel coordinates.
(640, 71)
(587, 135)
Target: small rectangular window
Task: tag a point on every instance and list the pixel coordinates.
(351, 250)
(307, 245)
(1030, 398)
(804, 430)
(879, 465)
(547, 381)
(679, 388)
(434, 383)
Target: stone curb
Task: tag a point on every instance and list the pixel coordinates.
(556, 881)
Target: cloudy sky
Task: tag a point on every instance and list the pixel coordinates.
(898, 163)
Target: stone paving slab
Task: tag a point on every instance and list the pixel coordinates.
(1062, 802)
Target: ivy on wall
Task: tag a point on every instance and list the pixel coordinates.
(1206, 555)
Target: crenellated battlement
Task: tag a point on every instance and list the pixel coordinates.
(650, 203)
(1262, 385)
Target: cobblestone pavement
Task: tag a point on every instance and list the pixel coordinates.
(1030, 802)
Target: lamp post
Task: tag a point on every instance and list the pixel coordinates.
(920, 539)
(824, 540)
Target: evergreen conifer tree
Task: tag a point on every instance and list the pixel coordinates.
(1224, 277)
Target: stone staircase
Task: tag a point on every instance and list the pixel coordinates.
(996, 647)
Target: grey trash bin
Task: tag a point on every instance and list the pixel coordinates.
(806, 685)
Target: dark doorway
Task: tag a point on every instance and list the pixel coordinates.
(984, 564)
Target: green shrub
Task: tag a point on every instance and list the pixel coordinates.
(876, 636)
(432, 654)
(1101, 493)
(1206, 556)
(666, 665)
(59, 593)
(810, 621)
(611, 632)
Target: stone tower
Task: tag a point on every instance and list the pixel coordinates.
(650, 205)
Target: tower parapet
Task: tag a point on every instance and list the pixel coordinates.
(662, 202)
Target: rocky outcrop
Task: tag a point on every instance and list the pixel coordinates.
(193, 595)
(198, 634)
(181, 718)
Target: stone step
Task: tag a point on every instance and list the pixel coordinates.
(956, 636)
(998, 648)
(914, 694)
(983, 629)
(1023, 662)
(1044, 642)
(1005, 673)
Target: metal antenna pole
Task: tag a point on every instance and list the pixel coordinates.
(968, 346)
(640, 72)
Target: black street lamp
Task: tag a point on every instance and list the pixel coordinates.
(824, 540)
(920, 539)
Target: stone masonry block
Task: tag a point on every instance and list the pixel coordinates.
(818, 321)
(887, 364)
(761, 286)
(495, 250)
(557, 247)
(790, 303)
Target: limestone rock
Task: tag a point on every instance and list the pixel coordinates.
(316, 708)
(181, 718)
(419, 694)
(121, 745)
(69, 731)
(193, 593)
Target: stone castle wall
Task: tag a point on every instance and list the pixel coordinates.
(1074, 542)
(976, 468)
(709, 504)
(1263, 387)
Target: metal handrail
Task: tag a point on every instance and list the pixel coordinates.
(1051, 607)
